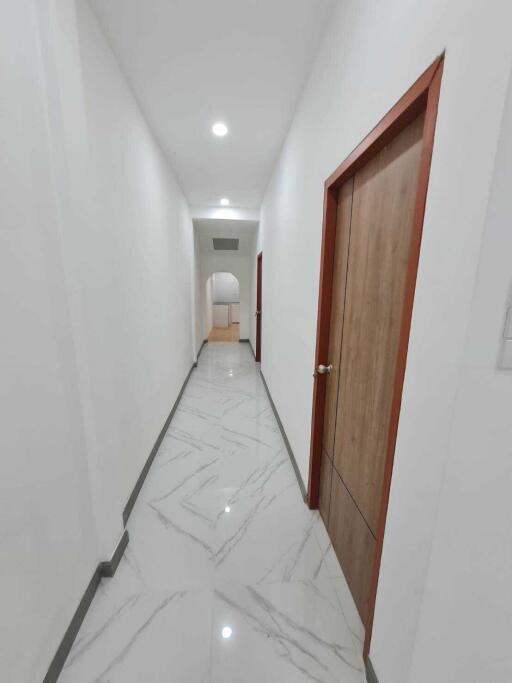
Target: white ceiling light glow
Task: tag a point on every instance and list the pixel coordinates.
(224, 201)
(219, 129)
(227, 632)
(253, 94)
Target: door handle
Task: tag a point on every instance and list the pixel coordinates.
(324, 369)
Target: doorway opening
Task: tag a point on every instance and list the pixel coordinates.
(373, 217)
(222, 307)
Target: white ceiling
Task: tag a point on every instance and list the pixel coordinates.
(193, 62)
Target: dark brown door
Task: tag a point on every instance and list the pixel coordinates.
(371, 257)
(259, 283)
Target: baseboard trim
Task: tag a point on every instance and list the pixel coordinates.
(104, 569)
(286, 442)
(371, 676)
(205, 341)
(144, 473)
(108, 569)
(67, 641)
(248, 341)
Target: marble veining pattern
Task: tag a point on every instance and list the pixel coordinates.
(221, 539)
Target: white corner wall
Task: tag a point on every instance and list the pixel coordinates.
(208, 308)
(466, 613)
(48, 547)
(202, 325)
(370, 56)
(97, 297)
(135, 277)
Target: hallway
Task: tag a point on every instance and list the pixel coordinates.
(220, 539)
(179, 177)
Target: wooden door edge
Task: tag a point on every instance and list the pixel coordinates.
(423, 95)
(403, 345)
(259, 286)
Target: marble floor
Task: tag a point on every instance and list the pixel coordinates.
(228, 577)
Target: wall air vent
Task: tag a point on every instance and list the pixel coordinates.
(225, 244)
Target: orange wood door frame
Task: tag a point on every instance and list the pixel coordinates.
(259, 302)
(422, 96)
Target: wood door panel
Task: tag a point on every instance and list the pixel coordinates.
(382, 213)
(353, 544)
(421, 99)
(341, 248)
(325, 488)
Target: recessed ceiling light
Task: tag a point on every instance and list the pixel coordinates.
(227, 632)
(219, 129)
(224, 201)
(227, 509)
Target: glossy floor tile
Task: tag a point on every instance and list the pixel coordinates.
(228, 577)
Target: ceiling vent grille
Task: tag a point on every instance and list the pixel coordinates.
(225, 244)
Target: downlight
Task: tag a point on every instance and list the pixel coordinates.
(219, 129)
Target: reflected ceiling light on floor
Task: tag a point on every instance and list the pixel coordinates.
(227, 509)
(219, 129)
(227, 632)
(224, 201)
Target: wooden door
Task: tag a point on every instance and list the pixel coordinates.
(344, 212)
(259, 303)
(371, 257)
(374, 204)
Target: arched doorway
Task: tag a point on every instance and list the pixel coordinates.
(222, 307)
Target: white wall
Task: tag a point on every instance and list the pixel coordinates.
(200, 324)
(135, 276)
(467, 603)
(226, 288)
(208, 309)
(48, 548)
(97, 291)
(361, 70)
